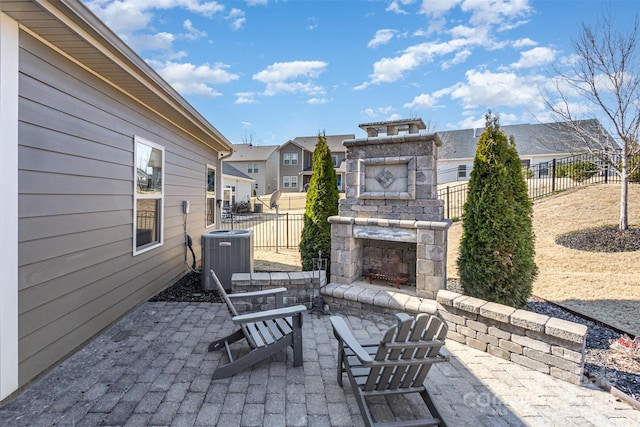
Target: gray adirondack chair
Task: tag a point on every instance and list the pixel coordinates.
(398, 363)
(267, 332)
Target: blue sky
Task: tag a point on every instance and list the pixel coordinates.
(267, 71)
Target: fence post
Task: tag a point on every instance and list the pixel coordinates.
(287, 228)
(448, 204)
(606, 173)
(553, 175)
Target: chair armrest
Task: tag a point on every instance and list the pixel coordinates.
(263, 293)
(277, 313)
(344, 334)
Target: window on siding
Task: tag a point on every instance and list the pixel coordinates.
(210, 202)
(148, 195)
(294, 182)
(290, 158)
(252, 168)
(462, 171)
(335, 160)
(286, 183)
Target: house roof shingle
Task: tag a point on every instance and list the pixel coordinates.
(334, 142)
(229, 170)
(251, 153)
(531, 139)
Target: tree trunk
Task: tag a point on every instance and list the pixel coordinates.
(624, 193)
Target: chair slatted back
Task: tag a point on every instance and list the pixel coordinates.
(224, 295)
(412, 344)
(233, 310)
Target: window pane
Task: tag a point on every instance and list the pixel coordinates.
(294, 158)
(211, 211)
(147, 222)
(286, 181)
(149, 169)
(211, 182)
(294, 182)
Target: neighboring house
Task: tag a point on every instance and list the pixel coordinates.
(98, 158)
(237, 187)
(537, 144)
(259, 162)
(296, 161)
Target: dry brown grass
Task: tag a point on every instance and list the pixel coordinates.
(605, 286)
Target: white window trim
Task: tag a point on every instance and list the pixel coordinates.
(294, 181)
(207, 196)
(286, 159)
(136, 196)
(286, 182)
(294, 156)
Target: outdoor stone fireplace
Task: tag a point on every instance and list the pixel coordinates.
(390, 223)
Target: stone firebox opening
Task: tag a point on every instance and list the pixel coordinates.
(390, 220)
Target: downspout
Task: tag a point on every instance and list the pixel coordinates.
(219, 195)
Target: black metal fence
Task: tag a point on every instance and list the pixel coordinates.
(284, 230)
(542, 179)
(270, 230)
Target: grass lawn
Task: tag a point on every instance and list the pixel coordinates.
(605, 286)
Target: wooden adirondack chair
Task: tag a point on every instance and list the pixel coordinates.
(398, 363)
(267, 332)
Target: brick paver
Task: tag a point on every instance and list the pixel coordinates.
(153, 368)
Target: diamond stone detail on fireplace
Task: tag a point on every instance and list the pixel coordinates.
(385, 178)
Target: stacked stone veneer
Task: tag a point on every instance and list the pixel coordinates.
(391, 189)
(546, 344)
(301, 286)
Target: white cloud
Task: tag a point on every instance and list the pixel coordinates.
(131, 20)
(424, 101)
(459, 58)
(388, 70)
(194, 79)
(192, 32)
(295, 77)
(437, 8)
(257, 2)
(488, 90)
(525, 42)
(236, 16)
(395, 7)
(504, 13)
(246, 98)
(317, 101)
(535, 57)
(382, 37)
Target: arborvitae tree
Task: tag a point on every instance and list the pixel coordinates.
(497, 250)
(322, 202)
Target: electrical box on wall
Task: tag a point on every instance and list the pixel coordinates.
(185, 206)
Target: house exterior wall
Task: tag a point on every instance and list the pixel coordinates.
(448, 169)
(267, 176)
(243, 187)
(77, 273)
(271, 174)
(291, 170)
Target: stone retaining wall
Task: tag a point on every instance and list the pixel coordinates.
(546, 344)
(301, 286)
(550, 345)
(364, 301)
